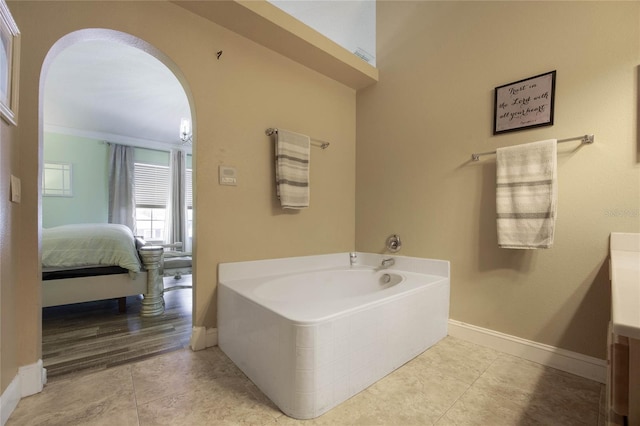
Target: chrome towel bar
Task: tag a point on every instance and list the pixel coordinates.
(586, 139)
(322, 144)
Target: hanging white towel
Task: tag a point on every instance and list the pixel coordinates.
(527, 195)
(292, 169)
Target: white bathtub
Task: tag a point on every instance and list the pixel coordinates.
(313, 331)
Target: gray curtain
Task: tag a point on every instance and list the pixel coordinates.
(122, 194)
(176, 206)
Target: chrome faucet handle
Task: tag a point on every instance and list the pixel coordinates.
(393, 243)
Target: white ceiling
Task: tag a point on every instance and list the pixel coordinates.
(109, 90)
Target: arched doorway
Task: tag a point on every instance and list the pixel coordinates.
(101, 87)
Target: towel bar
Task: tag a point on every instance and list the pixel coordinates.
(586, 139)
(322, 144)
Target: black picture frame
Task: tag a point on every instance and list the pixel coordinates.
(524, 104)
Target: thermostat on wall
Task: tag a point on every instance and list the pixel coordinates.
(227, 175)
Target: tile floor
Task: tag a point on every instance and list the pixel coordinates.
(453, 383)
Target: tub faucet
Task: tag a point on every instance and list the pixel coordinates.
(388, 262)
(353, 257)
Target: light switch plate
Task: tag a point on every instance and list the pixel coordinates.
(15, 189)
(227, 176)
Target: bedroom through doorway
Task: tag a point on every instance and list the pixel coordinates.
(104, 92)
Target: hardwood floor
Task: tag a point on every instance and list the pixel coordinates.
(95, 335)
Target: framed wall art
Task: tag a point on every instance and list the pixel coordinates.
(57, 180)
(9, 65)
(524, 104)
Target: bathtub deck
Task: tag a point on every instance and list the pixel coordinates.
(310, 308)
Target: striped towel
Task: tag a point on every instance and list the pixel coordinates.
(292, 169)
(526, 195)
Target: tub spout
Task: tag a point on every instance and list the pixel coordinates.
(388, 262)
(353, 258)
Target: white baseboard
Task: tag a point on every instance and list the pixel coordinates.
(212, 337)
(551, 356)
(202, 338)
(32, 378)
(29, 381)
(9, 400)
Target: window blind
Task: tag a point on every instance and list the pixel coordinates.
(189, 185)
(152, 185)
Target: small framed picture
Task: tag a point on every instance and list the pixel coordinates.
(9, 63)
(524, 104)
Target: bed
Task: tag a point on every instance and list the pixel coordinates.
(87, 262)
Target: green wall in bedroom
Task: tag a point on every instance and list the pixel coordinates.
(89, 180)
(151, 156)
(89, 159)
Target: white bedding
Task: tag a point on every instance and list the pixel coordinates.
(89, 245)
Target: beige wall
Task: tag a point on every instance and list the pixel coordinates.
(9, 271)
(235, 98)
(439, 63)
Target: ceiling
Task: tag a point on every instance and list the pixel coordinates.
(108, 90)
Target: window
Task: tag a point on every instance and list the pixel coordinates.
(56, 180)
(152, 191)
(150, 224)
